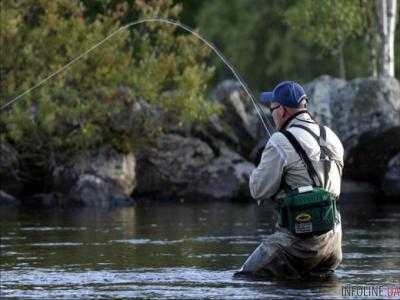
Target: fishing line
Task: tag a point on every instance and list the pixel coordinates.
(257, 107)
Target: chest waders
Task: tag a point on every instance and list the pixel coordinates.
(311, 210)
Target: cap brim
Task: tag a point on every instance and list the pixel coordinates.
(267, 97)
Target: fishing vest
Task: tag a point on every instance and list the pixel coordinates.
(310, 210)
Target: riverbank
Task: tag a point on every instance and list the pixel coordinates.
(211, 160)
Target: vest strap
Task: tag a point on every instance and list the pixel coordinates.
(326, 154)
(303, 155)
(316, 137)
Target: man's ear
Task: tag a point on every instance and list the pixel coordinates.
(285, 112)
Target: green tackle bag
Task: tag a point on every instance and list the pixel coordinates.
(309, 210)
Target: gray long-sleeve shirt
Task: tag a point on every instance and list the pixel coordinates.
(280, 161)
(284, 254)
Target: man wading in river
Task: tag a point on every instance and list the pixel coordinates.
(300, 173)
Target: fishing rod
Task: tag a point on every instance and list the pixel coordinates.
(260, 112)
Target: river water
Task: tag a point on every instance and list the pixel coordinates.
(179, 250)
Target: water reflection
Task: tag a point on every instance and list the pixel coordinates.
(174, 250)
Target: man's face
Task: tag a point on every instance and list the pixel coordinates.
(278, 113)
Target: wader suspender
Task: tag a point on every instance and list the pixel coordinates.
(326, 155)
(303, 155)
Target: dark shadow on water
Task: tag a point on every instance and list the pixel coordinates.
(310, 278)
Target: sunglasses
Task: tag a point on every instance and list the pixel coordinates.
(271, 109)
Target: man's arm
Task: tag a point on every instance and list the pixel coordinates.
(266, 178)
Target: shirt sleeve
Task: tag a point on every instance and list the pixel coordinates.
(265, 180)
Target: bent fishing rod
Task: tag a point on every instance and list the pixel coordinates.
(260, 112)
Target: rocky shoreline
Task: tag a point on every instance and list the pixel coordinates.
(214, 161)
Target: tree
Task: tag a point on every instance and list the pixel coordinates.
(328, 24)
(254, 37)
(368, 9)
(387, 15)
(332, 23)
(397, 48)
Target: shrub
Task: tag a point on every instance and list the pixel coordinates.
(71, 112)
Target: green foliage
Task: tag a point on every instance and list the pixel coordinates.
(73, 111)
(331, 25)
(255, 38)
(173, 70)
(327, 23)
(268, 41)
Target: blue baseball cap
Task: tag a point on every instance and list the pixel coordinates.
(286, 93)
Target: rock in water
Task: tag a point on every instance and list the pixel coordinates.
(365, 113)
(9, 169)
(97, 179)
(391, 182)
(238, 125)
(8, 200)
(368, 160)
(237, 107)
(186, 167)
(366, 105)
(320, 92)
(355, 107)
(92, 190)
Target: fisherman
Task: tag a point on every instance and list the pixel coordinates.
(300, 174)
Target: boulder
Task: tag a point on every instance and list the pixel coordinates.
(365, 113)
(8, 200)
(48, 200)
(10, 181)
(242, 170)
(368, 160)
(92, 190)
(237, 108)
(391, 182)
(97, 178)
(355, 107)
(186, 167)
(239, 126)
(365, 105)
(351, 188)
(320, 92)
